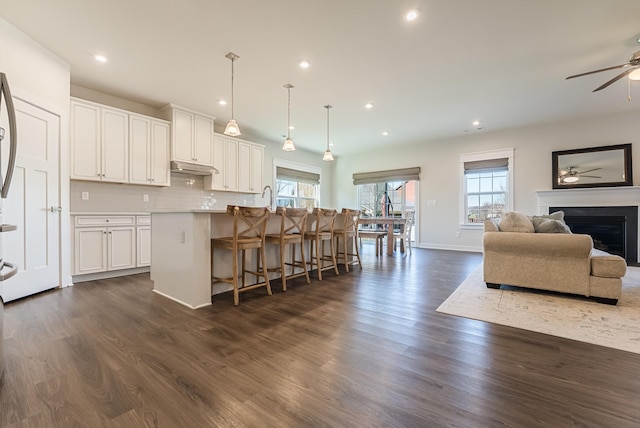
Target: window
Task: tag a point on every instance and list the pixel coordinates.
(487, 181)
(388, 193)
(297, 188)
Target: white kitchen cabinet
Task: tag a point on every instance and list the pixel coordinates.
(250, 165)
(143, 241)
(192, 136)
(149, 145)
(240, 164)
(99, 143)
(104, 243)
(225, 160)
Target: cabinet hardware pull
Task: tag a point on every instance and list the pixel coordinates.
(55, 209)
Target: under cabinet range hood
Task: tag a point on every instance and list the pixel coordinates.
(192, 168)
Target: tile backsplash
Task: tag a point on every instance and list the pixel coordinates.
(185, 192)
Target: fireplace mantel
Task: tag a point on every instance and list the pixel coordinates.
(590, 197)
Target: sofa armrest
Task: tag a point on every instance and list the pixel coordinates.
(559, 245)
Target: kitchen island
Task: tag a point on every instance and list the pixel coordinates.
(181, 254)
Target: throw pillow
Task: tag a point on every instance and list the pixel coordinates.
(514, 221)
(552, 223)
(552, 226)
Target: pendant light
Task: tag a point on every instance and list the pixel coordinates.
(288, 145)
(232, 128)
(328, 156)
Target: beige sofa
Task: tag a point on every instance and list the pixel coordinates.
(561, 262)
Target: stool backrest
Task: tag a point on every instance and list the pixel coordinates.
(293, 220)
(350, 219)
(324, 220)
(248, 222)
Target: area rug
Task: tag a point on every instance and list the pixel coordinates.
(571, 317)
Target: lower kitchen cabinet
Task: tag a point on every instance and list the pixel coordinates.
(110, 243)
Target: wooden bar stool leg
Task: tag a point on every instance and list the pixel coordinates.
(346, 255)
(333, 257)
(265, 273)
(355, 245)
(304, 261)
(236, 292)
(318, 262)
(283, 273)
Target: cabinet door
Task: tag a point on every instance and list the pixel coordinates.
(90, 246)
(182, 144)
(121, 248)
(143, 250)
(257, 165)
(217, 182)
(115, 146)
(85, 142)
(203, 140)
(159, 161)
(230, 165)
(139, 136)
(244, 167)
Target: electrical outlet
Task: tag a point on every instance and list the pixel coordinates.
(85, 196)
(458, 234)
(145, 198)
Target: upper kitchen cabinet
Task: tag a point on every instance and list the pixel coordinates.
(99, 143)
(240, 164)
(149, 146)
(192, 136)
(250, 164)
(113, 145)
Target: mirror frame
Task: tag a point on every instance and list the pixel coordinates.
(627, 170)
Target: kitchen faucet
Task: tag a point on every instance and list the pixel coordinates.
(270, 195)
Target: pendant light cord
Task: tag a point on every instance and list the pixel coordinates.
(232, 61)
(288, 113)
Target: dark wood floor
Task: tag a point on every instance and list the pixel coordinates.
(364, 349)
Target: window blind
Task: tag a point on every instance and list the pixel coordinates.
(296, 175)
(487, 165)
(403, 174)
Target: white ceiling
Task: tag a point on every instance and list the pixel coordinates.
(502, 62)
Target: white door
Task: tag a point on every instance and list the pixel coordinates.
(34, 247)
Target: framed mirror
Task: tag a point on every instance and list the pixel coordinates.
(605, 166)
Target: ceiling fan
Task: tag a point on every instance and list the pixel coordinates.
(570, 175)
(633, 63)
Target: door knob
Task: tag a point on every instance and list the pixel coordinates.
(55, 209)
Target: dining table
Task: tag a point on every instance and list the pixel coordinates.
(389, 222)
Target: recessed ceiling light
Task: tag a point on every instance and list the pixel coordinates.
(100, 58)
(385, 133)
(222, 102)
(412, 15)
(292, 127)
(368, 105)
(475, 123)
(304, 64)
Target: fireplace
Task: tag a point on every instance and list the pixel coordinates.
(613, 229)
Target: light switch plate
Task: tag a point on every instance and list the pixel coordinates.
(145, 198)
(85, 196)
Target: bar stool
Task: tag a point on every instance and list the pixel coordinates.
(348, 232)
(249, 225)
(321, 231)
(292, 227)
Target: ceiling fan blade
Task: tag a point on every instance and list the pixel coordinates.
(588, 170)
(590, 176)
(615, 79)
(596, 71)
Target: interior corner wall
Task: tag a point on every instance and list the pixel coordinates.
(440, 179)
(39, 76)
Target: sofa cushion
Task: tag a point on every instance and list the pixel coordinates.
(607, 265)
(552, 223)
(491, 225)
(514, 221)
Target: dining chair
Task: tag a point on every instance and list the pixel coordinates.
(348, 233)
(404, 234)
(292, 226)
(377, 235)
(249, 226)
(322, 223)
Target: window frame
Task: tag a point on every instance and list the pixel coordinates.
(483, 156)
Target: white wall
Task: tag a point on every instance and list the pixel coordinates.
(440, 177)
(35, 74)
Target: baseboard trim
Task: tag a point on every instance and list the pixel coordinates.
(465, 248)
(180, 301)
(110, 274)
